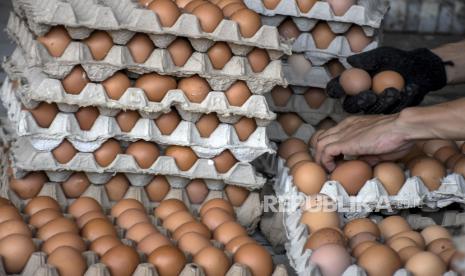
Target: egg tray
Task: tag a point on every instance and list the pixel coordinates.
(315, 76)
(367, 13)
(119, 58)
(277, 134)
(122, 19)
(35, 86)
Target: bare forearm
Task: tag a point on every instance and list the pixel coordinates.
(454, 52)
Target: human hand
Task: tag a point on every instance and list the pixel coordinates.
(422, 70)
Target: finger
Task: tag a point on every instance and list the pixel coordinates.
(321, 145)
(329, 155)
(334, 89)
(387, 101)
(350, 105)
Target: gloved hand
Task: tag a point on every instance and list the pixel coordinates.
(422, 70)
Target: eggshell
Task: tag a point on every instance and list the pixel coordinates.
(180, 51)
(228, 231)
(168, 207)
(391, 176)
(388, 79)
(197, 191)
(281, 95)
(444, 153)
(233, 245)
(352, 175)
(217, 203)
(99, 43)
(219, 54)
(249, 22)
(238, 93)
(131, 217)
(408, 252)
(305, 5)
(57, 226)
(361, 238)
(175, 220)
(184, 157)
(44, 114)
(288, 29)
(140, 230)
(358, 41)
(56, 40)
(213, 261)
(166, 10)
(125, 204)
(323, 237)
(361, 225)
(103, 244)
(117, 187)
(121, 260)
(430, 170)
(379, 260)
(75, 81)
(168, 260)
(195, 88)
(447, 256)
(68, 261)
(97, 228)
(297, 158)
(291, 146)
(393, 225)
(300, 65)
(14, 226)
(322, 35)
(258, 59)
(354, 81)
(145, 153)
(64, 152)
(309, 178)
(84, 219)
(325, 124)
(256, 258)
(35, 205)
(40, 218)
(271, 4)
(335, 68)
(224, 161)
(207, 124)
(64, 239)
(191, 226)
(86, 117)
(431, 146)
(83, 205)
(193, 4)
(155, 86)
(401, 243)
(358, 250)
(158, 188)
(15, 251)
(426, 263)
(244, 128)
(340, 7)
(236, 195)
(290, 122)
(453, 160)
(141, 47)
(413, 235)
(182, 3)
(215, 217)
(316, 220)
(324, 257)
(28, 186)
(434, 232)
(315, 97)
(209, 16)
(127, 120)
(107, 152)
(231, 8)
(440, 245)
(152, 242)
(193, 242)
(75, 185)
(116, 85)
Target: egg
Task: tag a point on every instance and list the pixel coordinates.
(322, 35)
(357, 39)
(155, 86)
(144, 3)
(152, 242)
(358, 250)
(43, 216)
(16, 250)
(191, 226)
(64, 239)
(430, 171)
(140, 47)
(231, 8)
(290, 122)
(413, 235)
(121, 260)
(117, 187)
(244, 128)
(352, 175)
(168, 207)
(430, 147)
(281, 95)
(309, 178)
(425, 263)
(217, 203)
(209, 16)
(315, 97)
(297, 158)
(357, 226)
(440, 245)
(176, 219)
(224, 161)
(379, 260)
(299, 64)
(75, 81)
(57, 226)
(75, 185)
(64, 152)
(99, 43)
(193, 4)
(44, 114)
(249, 22)
(193, 242)
(86, 117)
(9, 212)
(126, 204)
(131, 217)
(166, 11)
(158, 188)
(340, 7)
(215, 217)
(360, 238)
(453, 160)
(459, 166)
(97, 228)
(238, 93)
(434, 232)
(103, 244)
(408, 252)
(354, 81)
(88, 216)
(224, 3)
(305, 5)
(184, 157)
(195, 88)
(228, 231)
(388, 79)
(271, 4)
(324, 257)
(256, 258)
(291, 146)
(213, 261)
(391, 176)
(207, 124)
(168, 260)
(393, 225)
(107, 152)
(140, 230)
(401, 243)
(182, 3)
(127, 120)
(219, 54)
(83, 205)
(145, 153)
(4, 201)
(56, 40)
(288, 29)
(14, 227)
(197, 191)
(335, 68)
(319, 218)
(35, 205)
(323, 237)
(236, 195)
(116, 85)
(29, 186)
(447, 256)
(325, 124)
(233, 245)
(258, 59)
(444, 153)
(180, 51)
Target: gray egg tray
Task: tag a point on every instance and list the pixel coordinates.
(366, 13)
(316, 76)
(66, 126)
(119, 58)
(276, 133)
(122, 19)
(38, 87)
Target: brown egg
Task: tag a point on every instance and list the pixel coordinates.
(209, 16)
(207, 124)
(197, 191)
(131, 217)
(305, 5)
(388, 79)
(236, 195)
(271, 4)
(219, 53)
(425, 263)
(40, 218)
(434, 232)
(180, 51)
(401, 243)
(357, 226)
(140, 230)
(175, 220)
(117, 187)
(290, 122)
(256, 258)
(408, 252)
(249, 22)
(431, 146)
(238, 93)
(193, 242)
(354, 81)
(430, 170)
(125, 204)
(103, 244)
(224, 161)
(357, 39)
(64, 239)
(379, 260)
(214, 217)
(14, 226)
(158, 188)
(64, 152)
(413, 235)
(291, 146)
(121, 260)
(340, 7)
(245, 127)
(191, 226)
(444, 153)
(195, 88)
(193, 4)
(182, 3)
(217, 203)
(168, 207)
(168, 122)
(15, 251)
(361, 238)
(352, 175)
(99, 43)
(297, 158)
(391, 176)
(127, 120)
(141, 47)
(144, 3)
(75, 81)
(322, 35)
(86, 117)
(281, 95)
(35, 205)
(107, 152)
(223, 3)
(228, 231)
(309, 178)
(320, 258)
(213, 261)
(56, 40)
(4, 201)
(97, 228)
(68, 261)
(233, 245)
(75, 185)
(82, 220)
(393, 225)
(288, 29)
(57, 226)
(44, 114)
(362, 247)
(116, 85)
(258, 59)
(323, 237)
(168, 260)
(316, 220)
(155, 86)
(453, 160)
(315, 97)
(440, 245)
(145, 153)
(184, 157)
(326, 123)
(231, 8)
(29, 186)
(459, 166)
(166, 10)
(83, 205)
(152, 242)
(447, 256)
(335, 68)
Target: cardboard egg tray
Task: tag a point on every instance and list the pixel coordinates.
(35, 86)
(122, 19)
(276, 133)
(367, 13)
(66, 126)
(316, 76)
(119, 58)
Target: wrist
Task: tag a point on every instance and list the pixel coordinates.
(411, 124)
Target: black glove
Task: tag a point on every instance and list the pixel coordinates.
(422, 70)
